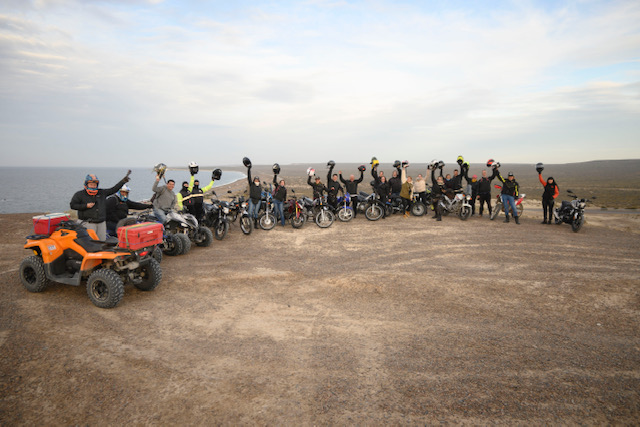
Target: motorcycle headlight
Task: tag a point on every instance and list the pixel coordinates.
(225, 210)
(244, 205)
(468, 197)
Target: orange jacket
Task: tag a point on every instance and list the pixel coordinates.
(544, 184)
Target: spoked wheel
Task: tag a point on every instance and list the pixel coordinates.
(32, 274)
(220, 230)
(105, 288)
(246, 225)
(418, 209)
(324, 218)
(345, 214)
(373, 212)
(298, 221)
(496, 210)
(173, 245)
(267, 221)
(204, 236)
(520, 209)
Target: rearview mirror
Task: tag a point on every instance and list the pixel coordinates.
(569, 191)
(229, 191)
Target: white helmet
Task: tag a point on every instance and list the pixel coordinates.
(193, 164)
(125, 188)
(311, 171)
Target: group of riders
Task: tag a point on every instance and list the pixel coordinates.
(101, 209)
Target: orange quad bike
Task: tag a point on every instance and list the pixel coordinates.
(73, 255)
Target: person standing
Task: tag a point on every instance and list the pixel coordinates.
(395, 182)
(484, 190)
(420, 188)
(118, 206)
(382, 188)
(438, 190)
(333, 185)
(406, 191)
(551, 191)
(196, 206)
(473, 185)
(164, 199)
(510, 190)
(91, 204)
(351, 187)
(279, 194)
(255, 192)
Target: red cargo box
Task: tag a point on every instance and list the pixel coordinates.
(139, 236)
(46, 224)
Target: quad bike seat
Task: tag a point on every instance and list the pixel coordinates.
(86, 241)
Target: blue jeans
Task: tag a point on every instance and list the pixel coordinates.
(253, 209)
(509, 201)
(279, 208)
(160, 215)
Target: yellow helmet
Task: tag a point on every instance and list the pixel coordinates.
(374, 162)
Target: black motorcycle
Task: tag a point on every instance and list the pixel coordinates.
(571, 212)
(216, 217)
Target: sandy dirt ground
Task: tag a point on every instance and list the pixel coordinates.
(402, 321)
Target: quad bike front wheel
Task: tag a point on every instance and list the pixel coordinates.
(173, 245)
(186, 243)
(105, 288)
(204, 235)
(345, 214)
(151, 274)
(32, 274)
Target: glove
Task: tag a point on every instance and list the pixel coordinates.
(126, 177)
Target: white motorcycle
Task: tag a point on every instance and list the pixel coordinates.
(459, 205)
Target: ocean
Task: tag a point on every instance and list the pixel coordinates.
(45, 190)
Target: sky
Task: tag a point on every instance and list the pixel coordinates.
(138, 82)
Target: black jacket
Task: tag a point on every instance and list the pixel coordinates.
(510, 188)
(333, 187)
(255, 191)
(484, 184)
(98, 213)
(318, 189)
(383, 189)
(396, 182)
(280, 193)
(117, 209)
(352, 186)
(437, 190)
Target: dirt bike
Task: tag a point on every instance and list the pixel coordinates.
(323, 213)
(294, 211)
(500, 208)
(73, 255)
(459, 204)
(571, 212)
(345, 211)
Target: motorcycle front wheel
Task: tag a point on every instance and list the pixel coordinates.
(345, 214)
(267, 221)
(298, 221)
(576, 224)
(246, 225)
(520, 209)
(496, 210)
(220, 230)
(324, 218)
(374, 212)
(465, 213)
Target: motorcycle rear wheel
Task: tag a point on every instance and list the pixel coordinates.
(418, 209)
(520, 209)
(324, 218)
(267, 221)
(373, 213)
(298, 221)
(345, 214)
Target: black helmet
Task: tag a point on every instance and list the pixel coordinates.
(216, 175)
(539, 167)
(331, 164)
(246, 162)
(405, 163)
(396, 164)
(276, 168)
(440, 164)
(362, 168)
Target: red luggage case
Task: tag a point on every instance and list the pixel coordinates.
(46, 224)
(138, 236)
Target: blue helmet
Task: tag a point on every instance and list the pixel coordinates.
(121, 196)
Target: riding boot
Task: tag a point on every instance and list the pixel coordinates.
(517, 218)
(506, 218)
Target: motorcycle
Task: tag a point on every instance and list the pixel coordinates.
(345, 211)
(571, 212)
(459, 205)
(500, 208)
(238, 208)
(267, 217)
(419, 208)
(323, 213)
(216, 217)
(371, 205)
(294, 211)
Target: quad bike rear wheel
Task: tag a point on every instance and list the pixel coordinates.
(32, 274)
(151, 275)
(105, 288)
(204, 236)
(157, 254)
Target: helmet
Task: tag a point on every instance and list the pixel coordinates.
(246, 162)
(216, 174)
(440, 164)
(510, 173)
(256, 178)
(466, 164)
(374, 162)
(433, 164)
(91, 178)
(495, 165)
(193, 168)
(405, 163)
(276, 168)
(490, 162)
(460, 160)
(539, 167)
(126, 189)
(311, 171)
(396, 164)
(160, 169)
(331, 164)
(362, 168)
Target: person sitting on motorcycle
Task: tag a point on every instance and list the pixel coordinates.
(279, 197)
(91, 204)
(510, 191)
(118, 206)
(406, 191)
(164, 199)
(484, 190)
(351, 187)
(395, 182)
(438, 190)
(382, 187)
(551, 191)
